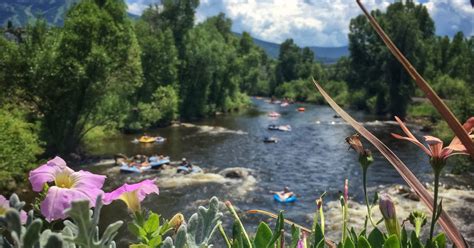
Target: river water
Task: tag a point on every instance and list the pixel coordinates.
(310, 159)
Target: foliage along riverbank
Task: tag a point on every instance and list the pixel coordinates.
(102, 72)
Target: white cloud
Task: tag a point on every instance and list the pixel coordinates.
(137, 6)
(316, 22)
(452, 16)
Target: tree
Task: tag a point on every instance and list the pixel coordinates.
(178, 15)
(288, 61)
(81, 76)
(375, 69)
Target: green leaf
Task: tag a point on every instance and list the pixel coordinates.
(134, 229)
(85, 230)
(353, 234)
(32, 234)
(348, 243)
(54, 240)
(404, 240)
(237, 239)
(277, 230)
(392, 242)
(440, 240)
(155, 242)
(320, 244)
(138, 246)
(152, 223)
(181, 237)
(439, 210)
(203, 224)
(295, 236)
(317, 235)
(12, 218)
(415, 241)
(376, 197)
(263, 236)
(376, 238)
(362, 242)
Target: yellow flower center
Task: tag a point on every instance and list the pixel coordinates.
(131, 199)
(63, 180)
(2, 210)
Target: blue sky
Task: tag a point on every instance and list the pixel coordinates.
(316, 22)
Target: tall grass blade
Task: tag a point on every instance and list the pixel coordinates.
(445, 221)
(448, 116)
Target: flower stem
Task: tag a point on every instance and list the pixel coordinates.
(364, 182)
(435, 203)
(224, 236)
(344, 219)
(239, 223)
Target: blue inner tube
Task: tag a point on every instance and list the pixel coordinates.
(287, 200)
(195, 169)
(134, 169)
(155, 162)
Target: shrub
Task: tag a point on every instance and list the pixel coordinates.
(19, 146)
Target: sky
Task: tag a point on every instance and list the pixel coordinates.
(316, 22)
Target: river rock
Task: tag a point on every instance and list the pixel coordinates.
(235, 173)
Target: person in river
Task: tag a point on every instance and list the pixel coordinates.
(285, 194)
(139, 161)
(188, 167)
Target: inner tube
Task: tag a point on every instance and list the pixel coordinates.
(287, 200)
(133, 169)
(270, 140)
(195, 169)
(156, 162)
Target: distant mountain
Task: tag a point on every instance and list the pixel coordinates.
(327, 55)
(19, 12)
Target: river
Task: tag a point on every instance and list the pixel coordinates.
(310, 159)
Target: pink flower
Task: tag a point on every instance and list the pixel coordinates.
(132, 194)
(302, 241)
(436, 151)
(69, 186)
(5, 205)
(346, 190)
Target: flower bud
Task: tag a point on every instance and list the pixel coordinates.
(346, 190)
(365, 159)
(365, 156)
(387, 208)
(176, 221)
(418, 220)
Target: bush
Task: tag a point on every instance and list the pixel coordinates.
(162, 109)
(19, 146)
(357, 99)
(423, 110)
(449, 88)
(304, 90)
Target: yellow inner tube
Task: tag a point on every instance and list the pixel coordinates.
(147, 139)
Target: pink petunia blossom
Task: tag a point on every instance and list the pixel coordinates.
(132, 194)
(5, 205)
(302, 241)
(435, 146)
(69, 186)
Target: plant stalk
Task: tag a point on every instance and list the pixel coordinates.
(435, 203)
(364, 182)
(224, 236)
(236, 218)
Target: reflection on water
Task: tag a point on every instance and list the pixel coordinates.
(310, 159)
